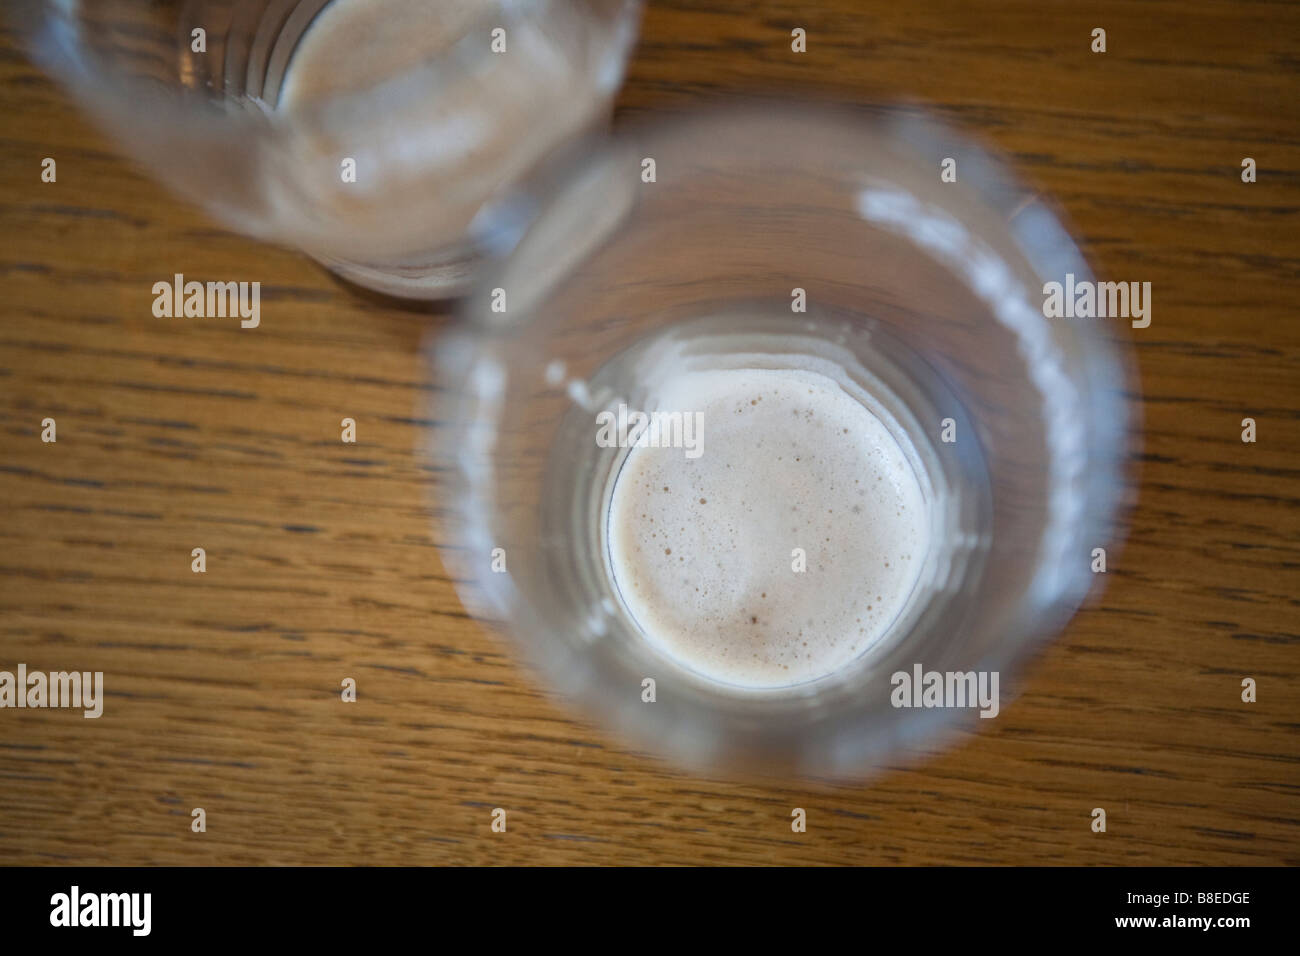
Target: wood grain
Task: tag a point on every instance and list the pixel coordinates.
(222, 688)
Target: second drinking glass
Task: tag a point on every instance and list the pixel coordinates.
(760, 424)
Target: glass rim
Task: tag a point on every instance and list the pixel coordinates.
(54, 44)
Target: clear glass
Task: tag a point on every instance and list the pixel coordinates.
(251, 108)
(923, 297)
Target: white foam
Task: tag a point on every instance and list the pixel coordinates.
(435, 122)
(702, 549)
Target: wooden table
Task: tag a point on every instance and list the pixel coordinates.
(223, 687)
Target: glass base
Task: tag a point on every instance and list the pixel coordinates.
(441, 279)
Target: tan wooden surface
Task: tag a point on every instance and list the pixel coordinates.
(223, 687)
